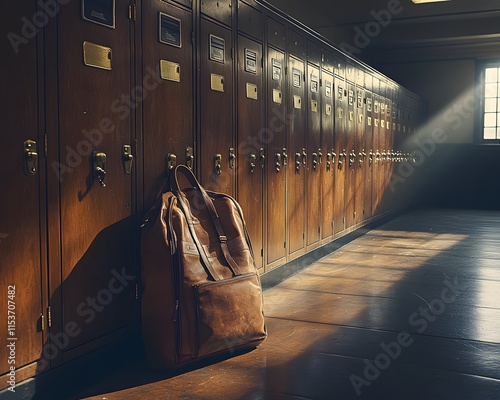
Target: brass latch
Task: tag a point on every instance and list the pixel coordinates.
(30, 157)
(128, 159)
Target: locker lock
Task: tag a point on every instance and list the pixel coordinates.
(304, 157)
(334, 155)
(189, 157)
(362, 157)
(171, 161)
(377, 157)
(262, 157)
(285, 157)
(370, 157)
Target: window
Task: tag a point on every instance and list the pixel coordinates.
(490, 110)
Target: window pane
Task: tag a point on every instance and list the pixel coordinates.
(490, 105)
(491, 75)
(490, 119)
(490, 90)
(490, 133)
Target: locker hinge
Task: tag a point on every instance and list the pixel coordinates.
(343, 221)
(284, 245)
(192, 38)
(262, 62)
(132, 12)
(232, 53)
(42, 320)
(136, 291)
(262, 252)
(286, 71)
(46, 140)
(49, 317)
(320, 82)
(136, 146)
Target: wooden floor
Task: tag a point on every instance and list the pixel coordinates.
(410, 310)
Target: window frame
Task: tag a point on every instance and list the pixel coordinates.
(480, 111)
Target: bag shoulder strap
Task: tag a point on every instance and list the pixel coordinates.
(214, 216)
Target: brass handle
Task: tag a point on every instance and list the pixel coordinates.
(128, 159)
(304, 157)
(189, 157)
(171, 161)
(370, 157)
(30, 157)
(262, 158)
(297, 162)
(320, 156)
(314, 160)
(352, 156)
(218, 164)
(99, 170)
(232, 158)
(253, 161)
(277, 161)
(328, 161)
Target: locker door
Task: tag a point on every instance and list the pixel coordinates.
(391, 196)
(361, 154)
(351, 150)
(92, 173)
(20, 218)
(167, 119)
(216, 108)
(340, 156)
(377, 150)
(280, 158)
(327, 146)
(314, 155)
(370, 156)
(251, 141)
(298, 157)
(360, 145)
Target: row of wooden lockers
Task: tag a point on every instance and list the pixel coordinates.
(102, 101)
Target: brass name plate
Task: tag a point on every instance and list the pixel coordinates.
(170, 71)
(382, 123)
(251, 91)
(297, 102)
(97, 56)
(217, 83)
(369, 121)
(376, 122)
(340, 113)
(360, 118)
(351, 115)
(277, 96)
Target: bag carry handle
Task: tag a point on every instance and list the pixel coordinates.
(214, 216)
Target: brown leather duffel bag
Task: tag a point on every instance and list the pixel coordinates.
(201, 291)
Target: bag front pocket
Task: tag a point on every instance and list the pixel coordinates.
(229, 314)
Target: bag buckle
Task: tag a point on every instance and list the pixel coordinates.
(223, 239)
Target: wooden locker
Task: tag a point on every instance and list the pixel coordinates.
(90, 121)
(351, 147)
(361, 155)
(22, 174)
(252, 139)
(377, 149)
(217, 150)
(368, 144)
(313, 149)
(296, 144)
(327, 146)
(280, 159)
(166, 73)
(340, 156)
